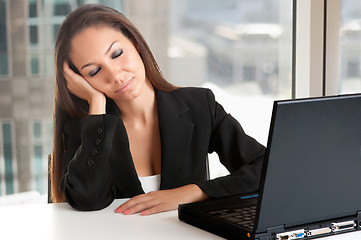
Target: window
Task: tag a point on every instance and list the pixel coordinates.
(61, 8)
(33, 9)
(247, 52)
(7, 168)
(42, 138)
(29, 93)
(34, 63)
(3, 40)
(55, 30)
(34, 40)
(241, 49)
(350, 47)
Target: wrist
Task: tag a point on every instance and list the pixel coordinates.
(198, 193)
(97, 105)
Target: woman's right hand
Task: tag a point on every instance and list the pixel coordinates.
(80, 87)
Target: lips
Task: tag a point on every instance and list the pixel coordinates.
(125, 86)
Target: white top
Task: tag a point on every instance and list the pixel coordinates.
(150, 183)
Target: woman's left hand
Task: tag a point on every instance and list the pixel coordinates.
(161, 201)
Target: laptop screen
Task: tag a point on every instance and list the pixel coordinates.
(313, 169)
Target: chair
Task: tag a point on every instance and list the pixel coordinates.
(49, 178)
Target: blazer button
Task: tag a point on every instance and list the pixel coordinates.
(91, 162)
(94, 152)
(100, 130)
(98, 141)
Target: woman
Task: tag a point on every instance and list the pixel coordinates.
(120, 126)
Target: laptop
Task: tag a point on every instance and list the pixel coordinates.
(311, 178)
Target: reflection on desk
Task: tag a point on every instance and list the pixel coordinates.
(60, 221)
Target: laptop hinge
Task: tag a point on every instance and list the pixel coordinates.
(271, 232)
(358, 215)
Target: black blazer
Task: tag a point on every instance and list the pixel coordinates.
(98, 165)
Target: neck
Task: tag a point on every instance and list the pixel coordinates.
(141, 109)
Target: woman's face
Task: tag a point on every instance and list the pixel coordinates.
(109, 62)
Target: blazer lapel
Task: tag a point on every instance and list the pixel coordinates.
(176, 136)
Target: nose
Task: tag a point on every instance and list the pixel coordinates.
(115, 74)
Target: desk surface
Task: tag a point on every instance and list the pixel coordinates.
(60, 221)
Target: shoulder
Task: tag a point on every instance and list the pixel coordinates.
(194, 94)
(197, 101)
(191, 91)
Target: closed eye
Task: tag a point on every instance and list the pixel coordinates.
(116, 53)
(94, 72)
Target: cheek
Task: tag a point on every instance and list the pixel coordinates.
(97, 84)
(134, 63)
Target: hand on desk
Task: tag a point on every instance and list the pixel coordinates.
(162, 201)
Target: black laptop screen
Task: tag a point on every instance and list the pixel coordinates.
(314, 162)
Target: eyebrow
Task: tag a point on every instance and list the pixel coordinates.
(106, 52)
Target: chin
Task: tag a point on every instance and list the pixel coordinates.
(127, 96)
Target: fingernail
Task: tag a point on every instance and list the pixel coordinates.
(119, 210)
(143, 213)
(127, 212)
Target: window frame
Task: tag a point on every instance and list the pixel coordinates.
(316, 48)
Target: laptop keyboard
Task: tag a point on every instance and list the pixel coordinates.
(241, 216)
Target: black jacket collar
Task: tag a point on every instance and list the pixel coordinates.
(175, 132)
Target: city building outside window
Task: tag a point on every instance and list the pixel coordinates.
(241, 49)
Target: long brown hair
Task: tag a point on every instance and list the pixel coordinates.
(65, 103)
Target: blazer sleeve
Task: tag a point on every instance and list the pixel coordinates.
(239, 153)
(87, 179)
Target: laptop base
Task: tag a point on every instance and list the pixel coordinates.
(192, 214)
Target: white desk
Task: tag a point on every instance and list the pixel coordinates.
(61, 222)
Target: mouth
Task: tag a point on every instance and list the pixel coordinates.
(125, 86)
